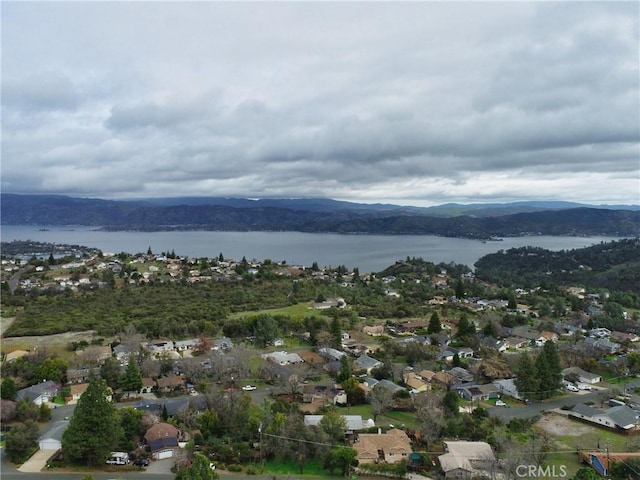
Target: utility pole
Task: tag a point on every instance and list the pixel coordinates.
(261, 456)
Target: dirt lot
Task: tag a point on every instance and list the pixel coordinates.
(561, 425)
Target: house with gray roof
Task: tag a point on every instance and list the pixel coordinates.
(283, 358)
(366, 363)
(40, 393)
(615, 418)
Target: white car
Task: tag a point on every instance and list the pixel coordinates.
(500, 403)
(572, 388)
(249, 388)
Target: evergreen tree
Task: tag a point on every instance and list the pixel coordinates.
(553, 375)
(543, 371)
(131, 381)
(460, 293)
(94, 430)
(434, 324)
(8, 389)
(345, 369)
(526, 380)
(336, 331)
(465, 328)
(456, 360)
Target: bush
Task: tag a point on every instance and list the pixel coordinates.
(234, 468)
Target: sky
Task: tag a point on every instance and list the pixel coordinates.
(416, 103)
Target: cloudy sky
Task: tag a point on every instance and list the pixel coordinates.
(416, 103)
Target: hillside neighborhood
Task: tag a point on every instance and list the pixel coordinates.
(426, 388)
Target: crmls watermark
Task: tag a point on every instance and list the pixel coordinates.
(538, 471)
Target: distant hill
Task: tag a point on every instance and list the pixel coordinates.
(318, 215)
(611, 265)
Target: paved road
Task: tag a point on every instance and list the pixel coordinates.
(569, 400)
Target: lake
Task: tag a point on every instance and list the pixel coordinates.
(370, 253)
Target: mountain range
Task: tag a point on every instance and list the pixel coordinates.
(481, 221)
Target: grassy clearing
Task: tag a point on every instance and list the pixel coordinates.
(297, 311)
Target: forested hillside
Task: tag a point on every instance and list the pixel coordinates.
(614, 266)
(305, 216)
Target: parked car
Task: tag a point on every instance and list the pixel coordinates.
(249, 388)
(500, 403)
(141, 462)
(572, 388)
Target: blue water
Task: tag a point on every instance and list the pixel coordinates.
(370, 253)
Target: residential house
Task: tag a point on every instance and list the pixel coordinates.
(479, 393)
(600, 332)
(621, 418)
(40, 393)
(170, 384)
(622, 337)
(147, 385)
(601, 461)
(51, 440)
(94, 353)
(494, 344)
(547, 336)
(404, 328)
(82, 375)
(16, 354)
(388, 384)
(443, 380)
(283, 358)
(468, 460)
(223, 343)
(603, 344)
(390, 447)
(162, 440)
(462, 375)
(76, 391)
(414, 382)
(516, 342)
(508, 388)
(331, 353)
(426, 375)
(364, 363)
(582, 375)
(182, 345)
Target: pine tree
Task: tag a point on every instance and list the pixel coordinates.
(465, 327)
(526, 380)
(543, 371)
(336, 331)
(552, 359)
(434, 324)
(94, 429)
(131, 381)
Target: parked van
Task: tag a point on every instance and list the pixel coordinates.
(118, 458)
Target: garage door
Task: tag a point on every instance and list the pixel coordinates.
(50, 444)
(164, 454)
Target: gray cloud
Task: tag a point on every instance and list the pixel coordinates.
(417, 103)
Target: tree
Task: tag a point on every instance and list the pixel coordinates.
(430, 423)
(198, 470)
(52, 368)
(465, 328)
(345, 369)
(586, 473)
(265, 330)
(434, 324)
(340, 458)
(110, 372)
(94, 430)
(526, 380)
(450, 403)
(381, 399)
(130, 420)
(334, 425)
(131, 381)
(8, 389)
(336, 331)
(551, 378)
(21, 441)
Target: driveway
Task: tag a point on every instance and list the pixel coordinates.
(161, 466)
(37, 462)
